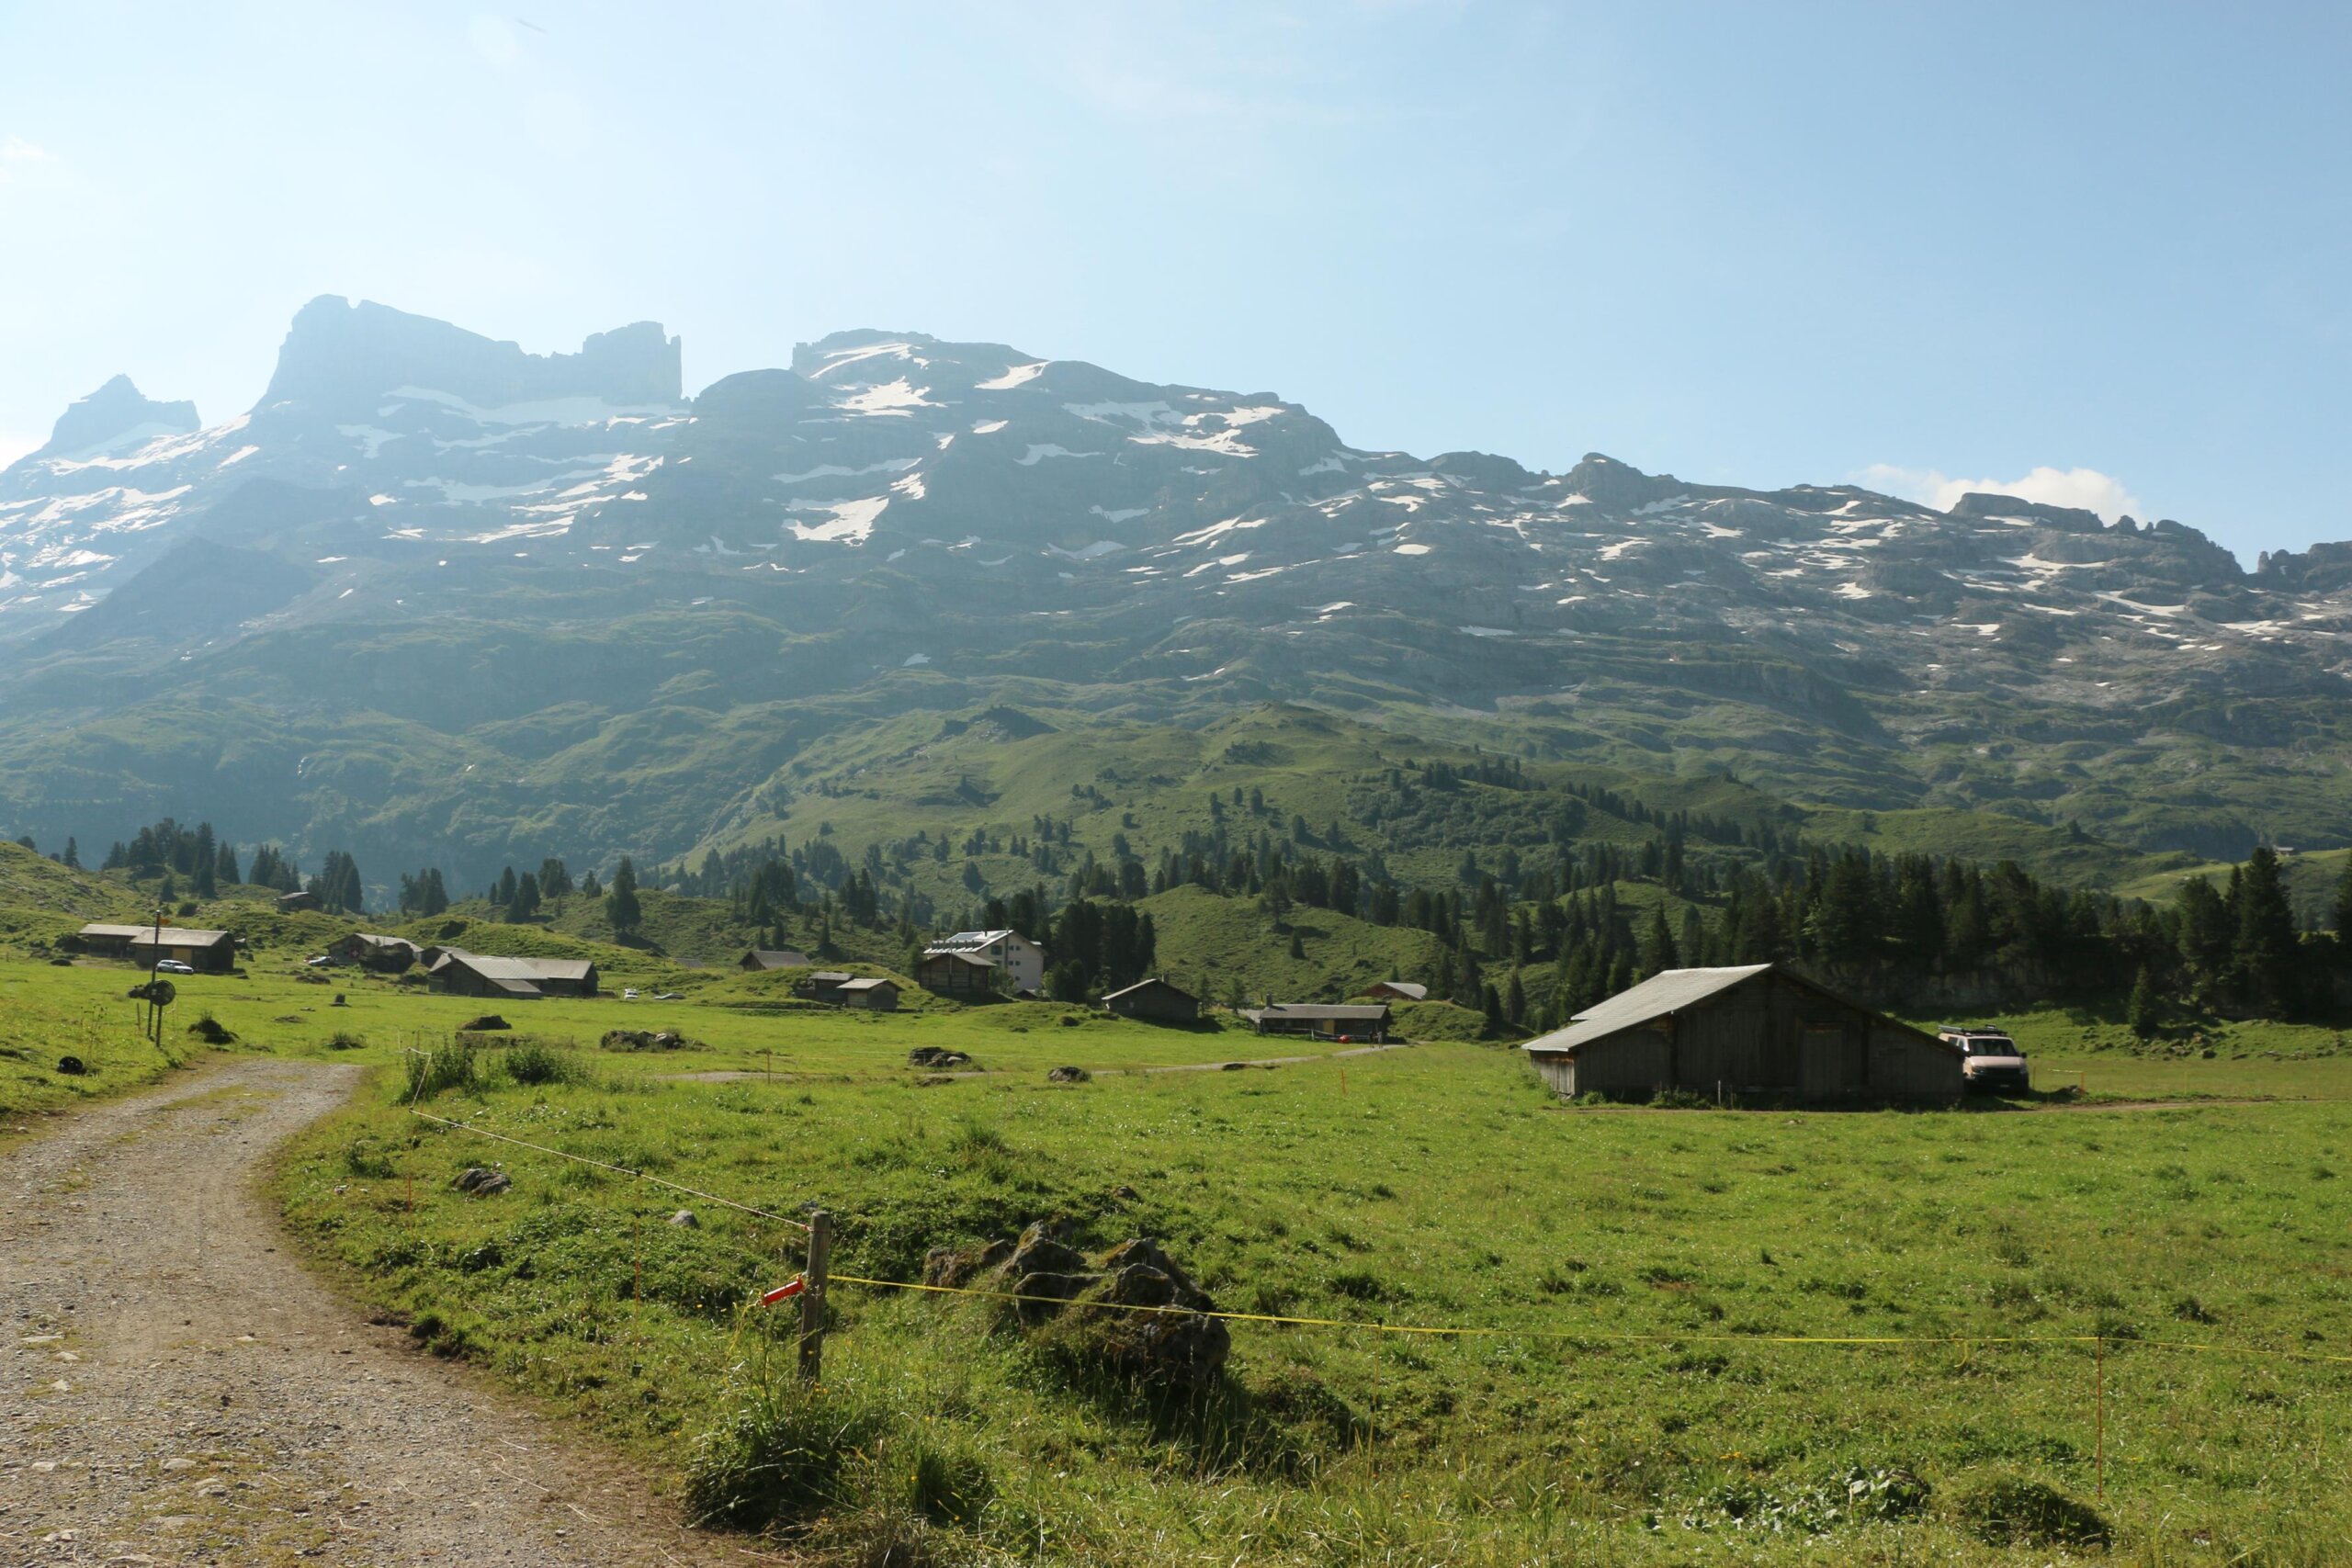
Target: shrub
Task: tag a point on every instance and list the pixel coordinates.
(212, 1031)
(784, 1456)
(2010, 1510)
(452, 1067)
(345, 1039)
(1673, 1099)
(533, 1061)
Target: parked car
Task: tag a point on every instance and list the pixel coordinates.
(1990, 1061)
(628, 994)
(319, 960)
(174, 966)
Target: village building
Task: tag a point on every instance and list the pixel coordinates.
(876, 994)
(299, 899)
(823, 984)
(463, 974)
(1327, 1020)
(1754, 1032)
(1155, 1000)
(955, 975)
(390, 955)
(761, 958)
(1023, 961)
(211, 952)
(1397, 991)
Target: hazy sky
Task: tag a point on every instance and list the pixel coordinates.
(1918, 245)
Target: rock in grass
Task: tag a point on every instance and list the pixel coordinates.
(1070, 1075)
(684, 1220)
(488, 1021)
(1133, 1313)
(954, 1266)
(481, 1181)
(936, 1056)
(72, 1066)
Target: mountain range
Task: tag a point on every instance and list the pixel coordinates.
(435, 599)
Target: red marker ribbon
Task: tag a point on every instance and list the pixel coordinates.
(785, 1291)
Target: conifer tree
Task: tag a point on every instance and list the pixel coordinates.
(2145, 1013)
(72, 857)
(621, 907)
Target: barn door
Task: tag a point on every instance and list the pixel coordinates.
(1829, 1060)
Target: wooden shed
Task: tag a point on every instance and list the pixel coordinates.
(1756, 1031)
(1155, 1000)
(1397, 991)
(388, 954)
(1341, 1020)
(876, 994)
(760, 958)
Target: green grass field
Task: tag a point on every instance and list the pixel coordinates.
(1627, 1396)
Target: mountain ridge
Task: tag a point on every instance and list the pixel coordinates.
(483, 547)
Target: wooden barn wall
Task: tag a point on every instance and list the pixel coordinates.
(1769, 1038)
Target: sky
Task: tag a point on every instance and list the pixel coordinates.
(2099, 254)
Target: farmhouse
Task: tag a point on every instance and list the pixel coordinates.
(1156, 1000)
(1757, 1030)
(875, 995)
(772, 958)
(1398, 991)
(1353, 1020)
(463, 974)
(388, 954)
(301, 899)
(212, 950)
(955, 974)
(1023, 961)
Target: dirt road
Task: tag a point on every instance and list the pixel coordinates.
(176, 1389)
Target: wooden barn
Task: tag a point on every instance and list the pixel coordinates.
(389, 953)
(761, 958)
(875, 994)
(1398, 991)
(1756, 1032)
(822, 985)
(1154, 1000)
(954, 973)
(1343, 1020)
(211, 952)
(463, 974)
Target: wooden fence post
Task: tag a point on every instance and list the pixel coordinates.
(812, 1297)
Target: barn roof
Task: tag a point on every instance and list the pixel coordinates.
(1653, 999)
(174, 936)
(1153, 983)
(776, 958)
(1670, 992)
(1322, 1012)
(873, 984)
(516, 970)
(969, 941)
(959, 955)
(1410, 990)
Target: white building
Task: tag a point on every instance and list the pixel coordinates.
(1023, 961)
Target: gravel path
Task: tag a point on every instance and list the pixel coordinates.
(176, 1389)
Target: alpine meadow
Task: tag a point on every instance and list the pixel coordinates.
(916, 952)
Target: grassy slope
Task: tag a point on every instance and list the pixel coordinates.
(2311, 880)
(1441, 1187)
(1436, 1185)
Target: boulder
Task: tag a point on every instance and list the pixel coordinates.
(936, 1056)
(1041, 1251)
(1070, 1075)
(488, 1021)
(1041, 1297)
(72, 1066)
(481, 1181)
(954, 1266)
(684, 1220)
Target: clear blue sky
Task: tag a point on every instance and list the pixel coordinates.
(1753, 243)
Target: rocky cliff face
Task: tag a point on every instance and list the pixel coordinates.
(116, 417)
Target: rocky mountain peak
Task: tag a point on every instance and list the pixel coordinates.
(340, 358)
(116, 417)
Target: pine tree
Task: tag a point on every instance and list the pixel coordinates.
(1657, 953)
(226, 872)
(1297, 947)
(73, 858)
(2145, 1012)
(1491, 1004)
(2266, 946)
(1515, 1000)
(621, 907)
(526, 900)
(2341, 915)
